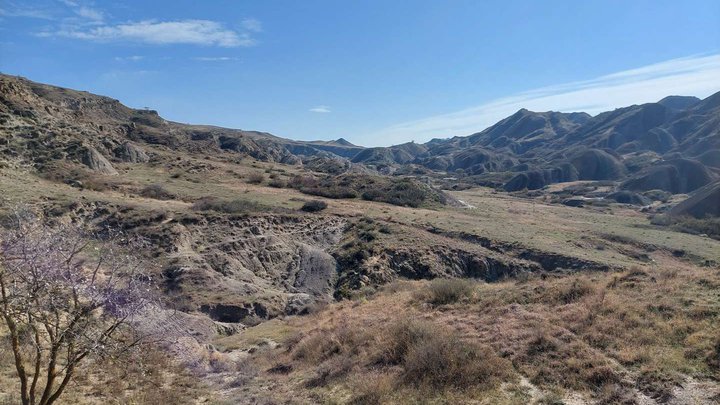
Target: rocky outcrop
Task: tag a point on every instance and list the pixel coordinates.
(234, 268)
(131, 153)
(97, 162)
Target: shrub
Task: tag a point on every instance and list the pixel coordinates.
(246, 371)
(277, 183)
(319, 347)
(708, 226)
(236, 206)
(442, 291)
(373, 389)
(579, 288)
(330, 370)
(219, 363)
(434, 358)
(157, 192)
(255, 178)
(336, 192)
(403, 192)
(713, 358)
(447, 361)
(314, 206)
(402, 337)
(304, 181)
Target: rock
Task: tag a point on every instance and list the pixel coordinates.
(228, 329)
(74, 183)
(97, 162)
(299, 304)
(131, 153)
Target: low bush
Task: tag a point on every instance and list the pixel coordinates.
(157, 192)
(443, 291)
(304, 181)
(236, 206)
(404, 192)
(277, 183)
(314, 206)
(372, 389)
(436, 359)
(569, 293)
(255, 178)
(76, 176)
(397, 191)
(707, 226)
(447, 362)
(336, 192)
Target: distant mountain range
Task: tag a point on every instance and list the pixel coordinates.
(671, 145)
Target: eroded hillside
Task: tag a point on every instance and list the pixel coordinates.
(285, 300)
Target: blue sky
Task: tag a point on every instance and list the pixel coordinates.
(373, 72)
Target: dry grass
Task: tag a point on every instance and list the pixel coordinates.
(255, 178)
(602, 336)
(443, 291)
(150, 377)
(588, 333)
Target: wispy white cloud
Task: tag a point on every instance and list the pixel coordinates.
(90, 13)
(695, 75)
(215, 58)
(252, 25)
(320, 109)
(133, 58)
(194, 32)
(10, 9)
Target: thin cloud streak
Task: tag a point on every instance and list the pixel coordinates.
(10, 9)
(90, 13)
(193, 32)
(215, 58)
(695, 75)
(133, 58)
(323, 109)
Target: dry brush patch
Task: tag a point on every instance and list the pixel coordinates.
(604, 336)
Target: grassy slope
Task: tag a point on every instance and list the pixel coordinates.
(661, 324)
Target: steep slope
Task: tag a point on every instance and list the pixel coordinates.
(526, 130)
(702, 203)
(58, 124)
(671, 145)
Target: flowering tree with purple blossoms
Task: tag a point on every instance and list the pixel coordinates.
(66, 297)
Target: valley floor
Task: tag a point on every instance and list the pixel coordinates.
(556, 304)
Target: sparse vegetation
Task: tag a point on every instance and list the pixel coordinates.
(397, 191)
(256, 178)
(314, 206)
(277, 183)
(706, 226)
(236, 206)
(158, 192)
(443, 291)
(576, 305)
